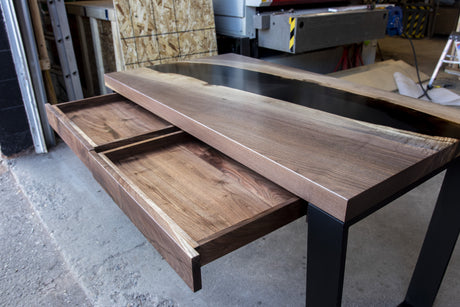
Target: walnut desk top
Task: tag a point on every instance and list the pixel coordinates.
(340, 146)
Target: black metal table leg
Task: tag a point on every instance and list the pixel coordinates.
(439, 243)
(327, 246)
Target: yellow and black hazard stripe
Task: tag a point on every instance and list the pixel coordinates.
(421, 29)
(416, 17)
(292, 22)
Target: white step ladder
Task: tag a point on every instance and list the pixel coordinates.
(453, 58)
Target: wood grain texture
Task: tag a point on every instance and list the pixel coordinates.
(135, 139)
(316, 97)
(171, 242)
(201, 190)
(240, 234)
(165, 178)
(110, 118)
(191, 202)
(343, 166)
(69, 133)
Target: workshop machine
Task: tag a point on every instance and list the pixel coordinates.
(297, 26)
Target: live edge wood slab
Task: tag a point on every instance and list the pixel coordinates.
(342, 147)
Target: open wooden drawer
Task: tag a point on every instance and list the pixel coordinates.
(193, 203)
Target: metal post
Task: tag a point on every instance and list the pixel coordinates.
(22, 71)
(326, 253)
(34, 68)
(440, 62)
(439, 243)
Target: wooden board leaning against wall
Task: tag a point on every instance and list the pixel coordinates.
(155, 32)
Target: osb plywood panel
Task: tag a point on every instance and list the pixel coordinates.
(108, 54)
(162, 31)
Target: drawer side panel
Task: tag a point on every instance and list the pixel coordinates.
(180, 256)
(178, 253)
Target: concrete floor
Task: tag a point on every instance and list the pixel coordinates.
(65, 242)
(428, 51)
(33, 271)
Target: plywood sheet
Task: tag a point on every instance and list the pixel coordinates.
(108, 54)
(163, 31)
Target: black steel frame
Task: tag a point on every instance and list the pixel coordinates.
(439, 243)
(326, 253)
(327, 245)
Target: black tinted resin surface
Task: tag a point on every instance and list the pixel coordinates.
(318, 97)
